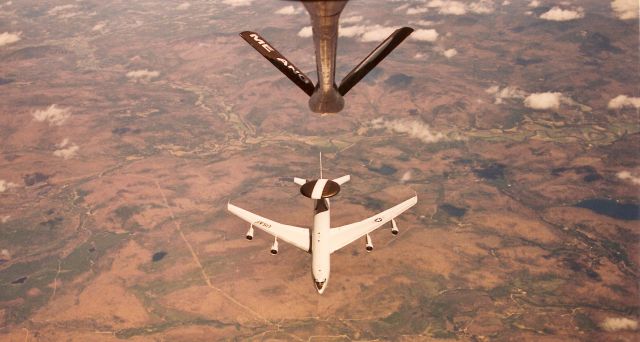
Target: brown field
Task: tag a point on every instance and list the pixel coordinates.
(112, 209)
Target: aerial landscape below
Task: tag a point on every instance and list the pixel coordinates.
(126, 128)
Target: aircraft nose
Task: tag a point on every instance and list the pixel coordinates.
(320, 286)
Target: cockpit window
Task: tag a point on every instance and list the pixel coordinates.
(319, 284)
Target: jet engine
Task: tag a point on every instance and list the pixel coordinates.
(274, 247)
(369, 245)
(249, 235)
(394, 227)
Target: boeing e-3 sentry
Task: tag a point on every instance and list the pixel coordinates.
(322, 240)
(326, 97)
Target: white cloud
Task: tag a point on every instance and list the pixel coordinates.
(183, 6)
(237, 3)
(626, 175)
(450, 53)
(7, 38)
(401, 7)
(352, 31)
(481, 7)
(5, 219)
(537, 101)
(534, 3)
(351, 20)
(625, 9)
(425, 35)
(417, 10)
(367, 33)
(65, 150)
(290, 10)
(4, 185)
(305, 32)
(492, 90)
(61, 8)
(99, 26)
(415, 129)
(559, 14)
(543, 101)
(452, 7)
(617, 324)
(423, 22)
(406, 177)
(622, 101)
(53, 114)
(143, 74)
(506, 2)
(508, 92)
(377, 33)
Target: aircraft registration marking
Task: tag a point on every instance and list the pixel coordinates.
(292, 68)
(261, 42)
(263, 224)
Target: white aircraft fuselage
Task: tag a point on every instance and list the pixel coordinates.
(320, 245)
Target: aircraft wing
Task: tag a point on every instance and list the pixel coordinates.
(373, 59)
(296, 236)
(279, 61)
(345, 235)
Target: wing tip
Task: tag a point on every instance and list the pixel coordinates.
(413, 200)
(406, 29)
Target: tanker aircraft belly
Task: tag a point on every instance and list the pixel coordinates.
(321, 240)
(325, 95)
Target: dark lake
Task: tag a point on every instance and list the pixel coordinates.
(158, 256)
(20, 280)
(611, 208)
(493, 171)
(384, 169)
(452, 210)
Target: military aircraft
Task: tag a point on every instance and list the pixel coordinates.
(326, 97)
(321, 240)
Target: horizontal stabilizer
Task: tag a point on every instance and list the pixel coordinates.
(342, 179)
(375, 57)
(279, 61)
(299, 181)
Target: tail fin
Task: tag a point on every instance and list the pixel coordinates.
(279, 61)
(375, 57)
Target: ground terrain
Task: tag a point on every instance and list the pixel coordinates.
(112, 207)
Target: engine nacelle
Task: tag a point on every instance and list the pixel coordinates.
(394, 227)
(249, 235)
(274, 247)
(369, 245)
